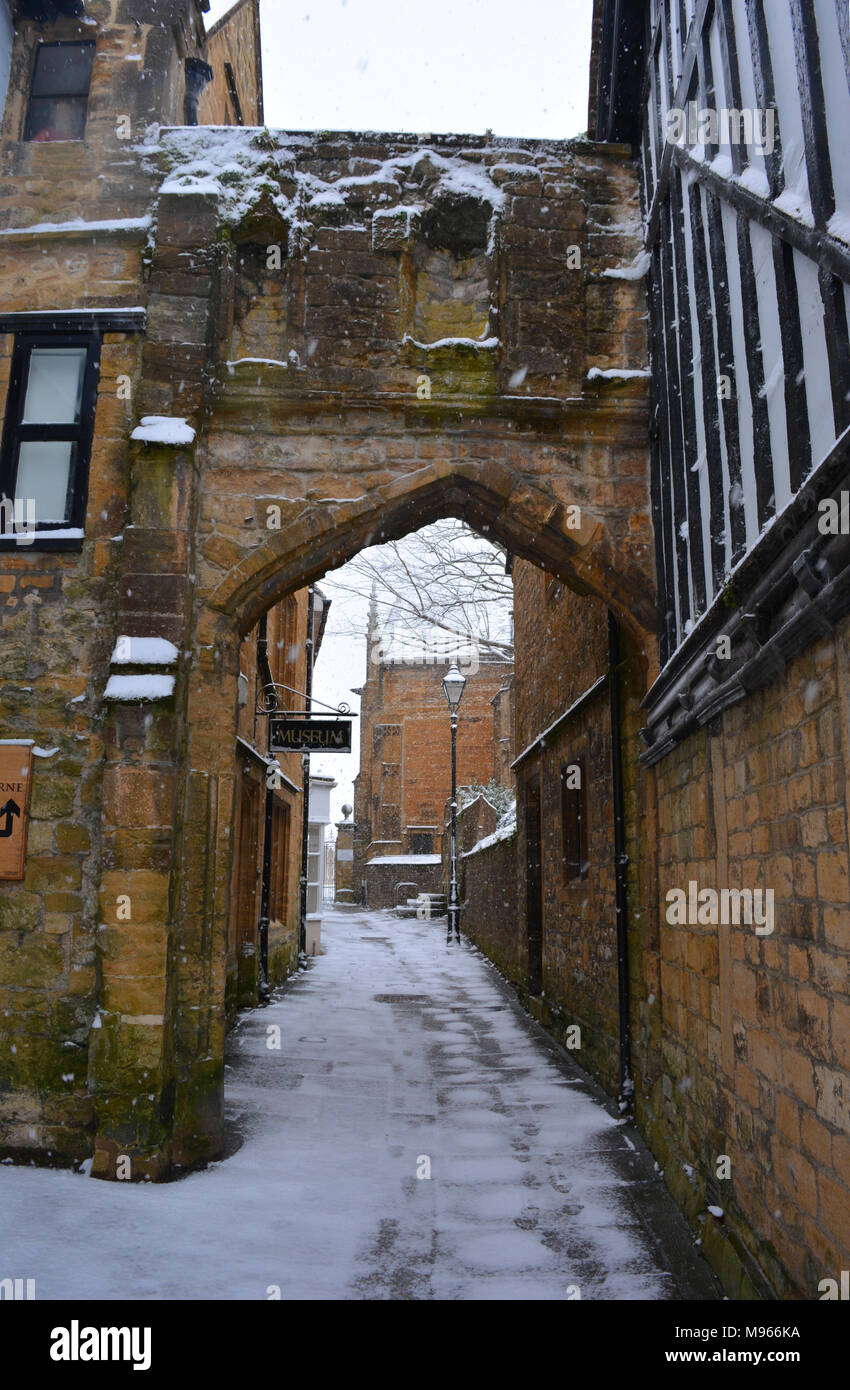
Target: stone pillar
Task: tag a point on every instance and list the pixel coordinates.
(148, 806)
(346, 889)
(130, 1067)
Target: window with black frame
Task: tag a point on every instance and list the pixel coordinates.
(47, 434)
(60, 92)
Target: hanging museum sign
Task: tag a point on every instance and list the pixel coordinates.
(310, 736)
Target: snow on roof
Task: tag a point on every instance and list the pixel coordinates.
(143, 651)
(163, 429)
(136, 688)
(504, 832)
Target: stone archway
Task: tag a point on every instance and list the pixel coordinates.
(491, 499)
(535, 435)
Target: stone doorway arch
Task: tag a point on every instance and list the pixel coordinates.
(287, 471)
(492, 500)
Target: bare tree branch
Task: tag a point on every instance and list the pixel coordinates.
(443, 579)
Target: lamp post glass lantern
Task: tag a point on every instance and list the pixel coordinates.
(453, 684)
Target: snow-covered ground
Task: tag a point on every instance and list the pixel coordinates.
(396, 1054)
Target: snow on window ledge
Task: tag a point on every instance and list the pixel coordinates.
(134, 689)
(143, 651)
(617, 373)
(163, 429)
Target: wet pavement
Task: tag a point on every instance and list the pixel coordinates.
(415, 1135)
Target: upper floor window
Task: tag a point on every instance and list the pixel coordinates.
(421, 842)
(47, 433)
(60, 92)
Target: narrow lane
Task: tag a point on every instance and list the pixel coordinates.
(397, 1058)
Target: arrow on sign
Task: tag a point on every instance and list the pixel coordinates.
(10, 809)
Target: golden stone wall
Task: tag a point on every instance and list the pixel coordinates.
(326, 444)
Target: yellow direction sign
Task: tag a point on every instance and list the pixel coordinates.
(15, 783)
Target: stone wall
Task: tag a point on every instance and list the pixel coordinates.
(424, 874)
(346, 889)
(180, 542)
(58, 615)
(489, 881)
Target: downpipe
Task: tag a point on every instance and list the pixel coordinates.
(621, 869)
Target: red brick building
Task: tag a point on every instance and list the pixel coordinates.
(405, 758)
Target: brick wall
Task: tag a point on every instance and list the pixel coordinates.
(490, 905)
(754, 1029)
(405, 752)
(561, 650)
(739, 1043)
(383, 879)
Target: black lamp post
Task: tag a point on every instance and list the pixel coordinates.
(453, 683)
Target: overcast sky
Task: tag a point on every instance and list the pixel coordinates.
(467, 66)
(448, 65)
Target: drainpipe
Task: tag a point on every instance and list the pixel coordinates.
(621, 867)
(305, 778)
(265, 889)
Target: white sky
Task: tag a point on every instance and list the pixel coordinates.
(517, 69)
(341, 664)
(391, 65)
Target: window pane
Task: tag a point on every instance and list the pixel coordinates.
(44, 473)
(54, 386)
(56, 118)
(63, 70)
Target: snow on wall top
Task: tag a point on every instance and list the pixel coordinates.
(243, 166)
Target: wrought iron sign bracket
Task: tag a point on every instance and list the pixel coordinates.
(269, 705)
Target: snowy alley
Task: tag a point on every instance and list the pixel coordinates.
(396, 1055)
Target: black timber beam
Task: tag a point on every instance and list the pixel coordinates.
(621, 66)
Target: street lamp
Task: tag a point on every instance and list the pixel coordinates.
(453, 683)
